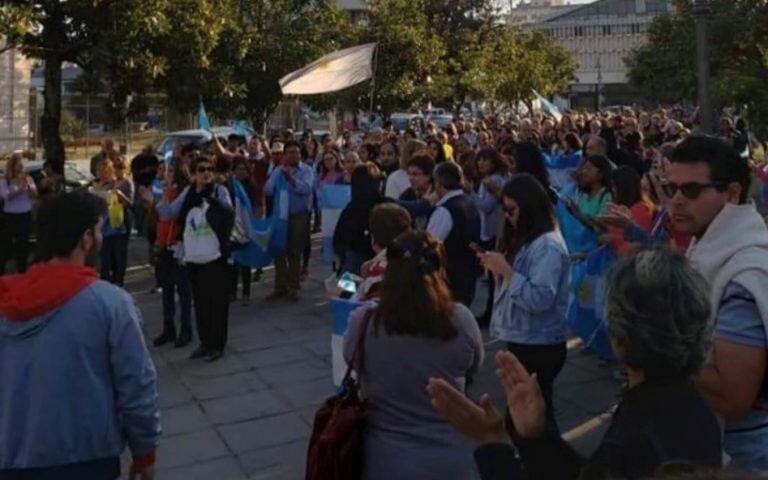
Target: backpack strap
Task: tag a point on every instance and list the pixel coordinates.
(359, 348)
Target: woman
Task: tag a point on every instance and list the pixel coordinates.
(494, 172)
(114, 230)
(627, 193)
(171, 272)
(420, 176)
(329, 170)
(529, 159)
(414, 333)
(436, 151)
(399, 181)
(350, 162)
(662, 419)
(204, 214)
(17, 191)
(351, 240)
(243, 177)
(532, 274)
(369, 152)
(594, 191)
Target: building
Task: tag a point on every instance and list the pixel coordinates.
(15, 72)
(536, 11)
(355, 9)
(601, 35)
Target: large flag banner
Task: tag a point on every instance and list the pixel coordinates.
(333, 72)
(578, 237)
(202, 118)
(341, 308)
(267, 236)
(586, 309)
(548, 106)
(333, 199)
(561, 168)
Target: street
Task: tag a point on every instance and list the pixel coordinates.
(249, 415)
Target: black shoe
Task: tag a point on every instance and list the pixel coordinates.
(214, 355)
(168, 336)
(184, 338)
(199, 352)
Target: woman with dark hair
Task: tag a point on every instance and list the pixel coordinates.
(627, 194)
(594, 192)
(436, 151)
(529, 159)
(369, 152)
(494, 171)
(351, 240)
(532, 279)
(657, 315)
(416, 332)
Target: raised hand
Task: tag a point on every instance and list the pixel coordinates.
(524, 400)
(481, 423)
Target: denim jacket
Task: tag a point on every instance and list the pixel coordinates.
(530, 308)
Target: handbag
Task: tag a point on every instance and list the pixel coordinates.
(336, 445)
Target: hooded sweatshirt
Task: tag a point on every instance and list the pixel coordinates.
(77, 379)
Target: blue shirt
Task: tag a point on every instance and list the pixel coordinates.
(531, 307)
(738, 321)
(299, 193)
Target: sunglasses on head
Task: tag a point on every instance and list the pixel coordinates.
(203, 169)
(690, 190)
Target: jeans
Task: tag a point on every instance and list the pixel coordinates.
(114, 259)
(210, 291)
(14, 240)
(288, 262)
(545, 361)
(174, 279)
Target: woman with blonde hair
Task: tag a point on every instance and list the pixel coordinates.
(17, 192)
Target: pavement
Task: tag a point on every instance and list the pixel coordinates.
(249, 415)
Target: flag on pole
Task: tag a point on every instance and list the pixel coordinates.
(333, 72)
(550, 107)
(202, 118)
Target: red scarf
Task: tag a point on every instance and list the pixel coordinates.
(43, 288)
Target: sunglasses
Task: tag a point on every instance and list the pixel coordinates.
(204, 169)
(691, 190)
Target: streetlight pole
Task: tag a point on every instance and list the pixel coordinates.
(701, 12)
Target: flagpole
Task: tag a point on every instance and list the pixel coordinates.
(373, 75)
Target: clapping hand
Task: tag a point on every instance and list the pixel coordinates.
(146, 194)
(482, 423)
(617, 216)
(524, 400)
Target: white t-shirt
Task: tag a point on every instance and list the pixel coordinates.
(397, 183)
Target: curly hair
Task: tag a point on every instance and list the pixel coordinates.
(670, 336)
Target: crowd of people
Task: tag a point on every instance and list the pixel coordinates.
(505, 203)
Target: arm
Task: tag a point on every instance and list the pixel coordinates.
(733, 379)
(300, 181)
(537, 292)
(440, 224)
(485, 202)
(269, 186)
(134, 382)
(417, 208)
(168, 211)
(468, 323)
(222, 195)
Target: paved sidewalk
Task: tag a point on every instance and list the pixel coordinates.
(249, 414)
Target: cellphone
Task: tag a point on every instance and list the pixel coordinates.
(347, 283)
(477, 248)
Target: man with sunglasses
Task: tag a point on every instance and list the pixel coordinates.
(705, 186)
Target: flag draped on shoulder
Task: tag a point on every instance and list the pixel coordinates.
(267, 236)
(333, 199)
(333, 72)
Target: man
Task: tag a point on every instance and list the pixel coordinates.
(706, 188)
(298, 179)
(107, 148)
(456, 222)
(596, 147)
(77, 379)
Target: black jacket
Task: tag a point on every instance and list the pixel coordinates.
(655, 424)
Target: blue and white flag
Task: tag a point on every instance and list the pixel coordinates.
(333, 199)
(586, 309)
(548, 106)
(341, 308)
(561, 168)
(202, 118)
(267, 236)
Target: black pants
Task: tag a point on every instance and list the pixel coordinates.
(102, 469)
(238, 272)
(489, 245)
(14, 240)
(210, 291)
(174, 279)
(114, 259)
(463, 288)
(545, 361)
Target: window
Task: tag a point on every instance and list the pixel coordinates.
(578, 31)
(606, 30)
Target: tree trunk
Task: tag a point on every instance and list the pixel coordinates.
(49, 123)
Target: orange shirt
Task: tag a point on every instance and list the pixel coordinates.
(642, 216)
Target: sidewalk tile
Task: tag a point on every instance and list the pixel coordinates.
(265, 432)
(183, 419)
(222, 469)
(244, 407)
(209, 388)
(295, 372)
(190, 448)
(277, 356)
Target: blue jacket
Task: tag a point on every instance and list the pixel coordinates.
(77, 383)
(531, 307)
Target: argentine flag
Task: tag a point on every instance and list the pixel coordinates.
(341, 308)
(561, 168)
(333, 199)
(268, 236)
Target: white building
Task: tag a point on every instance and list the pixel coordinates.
(600, 35)
(15, 71)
